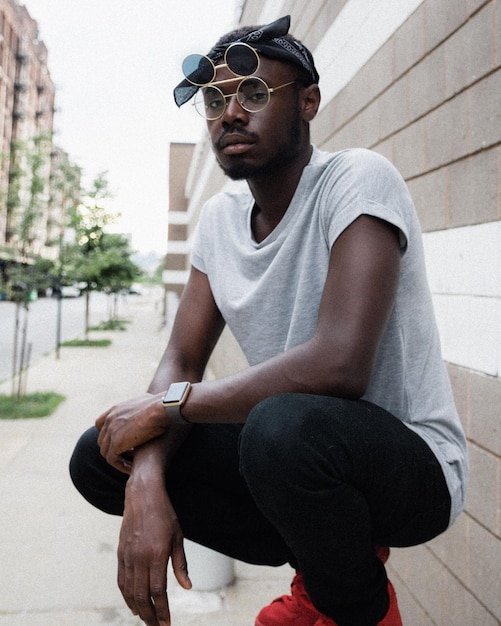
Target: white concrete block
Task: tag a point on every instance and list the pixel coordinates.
(469, 330)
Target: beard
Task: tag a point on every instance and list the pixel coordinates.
(284, 155)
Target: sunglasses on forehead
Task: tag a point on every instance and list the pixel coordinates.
(239, 58)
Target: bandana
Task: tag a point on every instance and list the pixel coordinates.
(268, 41)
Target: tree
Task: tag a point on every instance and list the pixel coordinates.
(101, 260)
(89, 218)
(117, 270)
(25, 281)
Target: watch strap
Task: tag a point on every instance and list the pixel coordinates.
(173, 401)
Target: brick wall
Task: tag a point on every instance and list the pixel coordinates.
(420, 82)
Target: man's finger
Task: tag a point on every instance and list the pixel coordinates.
(142, 599)
(180, 566)
(158, 592)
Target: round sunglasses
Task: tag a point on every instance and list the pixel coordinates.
(239, 58)
(253, 95)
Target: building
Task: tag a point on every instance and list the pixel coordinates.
(180, 221)
(26, 123)
(420, 81)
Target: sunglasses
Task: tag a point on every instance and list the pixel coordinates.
(253, 95)
(239, 58)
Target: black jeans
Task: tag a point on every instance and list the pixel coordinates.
(310, 480)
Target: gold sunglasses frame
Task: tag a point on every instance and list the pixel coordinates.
(199, 101)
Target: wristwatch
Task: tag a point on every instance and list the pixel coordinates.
(173, 401)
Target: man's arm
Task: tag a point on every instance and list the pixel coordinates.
(356, 303)
(197, 327)
(150, 534)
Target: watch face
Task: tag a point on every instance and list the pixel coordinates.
(175, 392)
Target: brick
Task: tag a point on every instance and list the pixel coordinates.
(325, 13)
(460, 607)
(482, 499)
(426, 84)
(473, 189)
(498, 178)
(442, 19)
(410, 148)
(430, 195)
(393, 108)
(473, 5)
(410, 42)
(460, 383)
(302, 19)
(362, 131)
(377, 74)
(485, 112)
(448, 132)
(427, 581)
(484, 567)
(410, 610)
(497, 33)
(497, 527)
(452, 548)
(365, 127)
(470, 52)
(485, 403)
(387, 149)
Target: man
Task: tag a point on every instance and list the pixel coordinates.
(341, 436)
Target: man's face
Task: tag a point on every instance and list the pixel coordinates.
(252, 145)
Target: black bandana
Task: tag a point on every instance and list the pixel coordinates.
(267, 40)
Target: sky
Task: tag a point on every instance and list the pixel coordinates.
(114, 64)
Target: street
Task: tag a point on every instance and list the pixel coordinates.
(42, 325)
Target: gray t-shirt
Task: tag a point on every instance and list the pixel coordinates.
(269, 292)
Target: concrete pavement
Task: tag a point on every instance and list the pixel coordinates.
(58, 561)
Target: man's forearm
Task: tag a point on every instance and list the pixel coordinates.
(156, 455)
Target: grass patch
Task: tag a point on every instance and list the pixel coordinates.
(29, 406)
(112, 325)
(87, 343)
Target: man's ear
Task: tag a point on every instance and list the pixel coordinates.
(310, 101)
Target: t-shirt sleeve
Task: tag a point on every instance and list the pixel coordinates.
(197, 252)
(367, 184)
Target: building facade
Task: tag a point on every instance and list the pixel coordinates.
(420, 82)
(28, 215)
(177, 257)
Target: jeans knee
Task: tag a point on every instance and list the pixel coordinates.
(82, 457)
(97, 481)
(270, 442)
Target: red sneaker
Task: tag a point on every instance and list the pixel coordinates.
(298, 610)
(293, 610)
(392, 618)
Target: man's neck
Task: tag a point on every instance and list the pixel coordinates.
(273, 194)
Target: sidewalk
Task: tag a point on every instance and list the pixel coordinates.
(58, 554)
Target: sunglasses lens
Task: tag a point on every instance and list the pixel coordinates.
(210, 103)
(242, 59)
(198, 69)
(253, 94)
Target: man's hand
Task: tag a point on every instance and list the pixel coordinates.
(149, 536)
(129, 424)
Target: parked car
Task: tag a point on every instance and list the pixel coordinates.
(70, 291)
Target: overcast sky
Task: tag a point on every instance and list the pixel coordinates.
(114, 64)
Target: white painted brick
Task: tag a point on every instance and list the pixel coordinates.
(465, 260)
(469, 331)
(464, 273)
(498, 338)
